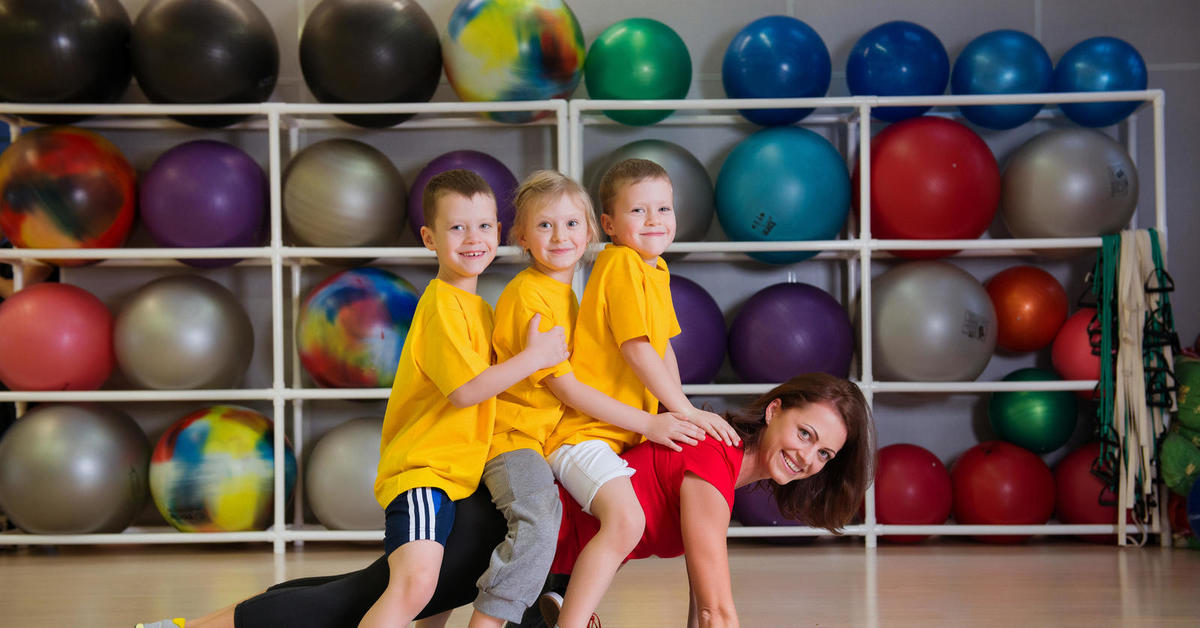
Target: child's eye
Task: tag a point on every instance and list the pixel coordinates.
(665, 209)
(543, 225)
(487, 226)
(637, 210)
(456, 227)
(572, 223)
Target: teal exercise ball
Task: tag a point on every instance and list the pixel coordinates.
(638, 59)
(1038, 420)
(783, 184)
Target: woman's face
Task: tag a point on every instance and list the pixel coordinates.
(799, 442)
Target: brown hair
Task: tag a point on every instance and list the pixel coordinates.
(543, 187)
(627, 172)
(830, 498)
(465, 183)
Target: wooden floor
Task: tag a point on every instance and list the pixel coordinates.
(831, 583)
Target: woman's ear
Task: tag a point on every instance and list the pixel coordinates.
(772, 408)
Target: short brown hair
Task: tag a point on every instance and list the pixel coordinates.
(543, 187)
(831, 497)
(465, 183)
(627, 172)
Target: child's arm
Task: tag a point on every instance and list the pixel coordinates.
(656, 375)
(665, 429)
(542, 350)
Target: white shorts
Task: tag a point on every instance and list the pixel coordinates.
(583, 468)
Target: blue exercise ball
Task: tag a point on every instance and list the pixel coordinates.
(1002, 62)
(1100, 64)
(776, 57)
(898, 59)
(783, 184)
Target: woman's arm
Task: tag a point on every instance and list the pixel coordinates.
(704, 521)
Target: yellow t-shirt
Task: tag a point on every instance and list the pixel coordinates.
(426, 440)
(625, 298)
(527, 412)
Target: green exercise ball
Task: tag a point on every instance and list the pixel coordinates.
(1187, 375)
(638, 59)
(1179, 459)
(1038, 420)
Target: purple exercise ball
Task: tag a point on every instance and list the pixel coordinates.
(787, 329)
(205, 193)
(700, 345)
(497, 175)
(754, 505)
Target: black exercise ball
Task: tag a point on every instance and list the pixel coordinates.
(205, 52)
(63, 51)
(370, 51)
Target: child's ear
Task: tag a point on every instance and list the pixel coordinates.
(427, 238)
(606, 224)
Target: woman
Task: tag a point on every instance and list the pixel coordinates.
(809, 424)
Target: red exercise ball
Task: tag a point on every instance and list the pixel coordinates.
(55, 336)
(1030, 307)
(997, 483)
(931, 179)
(1080, 493)
(912, 487)
(1071, 354)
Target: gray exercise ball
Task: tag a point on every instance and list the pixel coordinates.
(694, 201)
(183, 332)
(339, 479)
(73, 469)
(343, 193)
(1069, 183)
(931, 321)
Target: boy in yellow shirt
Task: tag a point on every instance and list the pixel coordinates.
(622, 349)
(440, 415)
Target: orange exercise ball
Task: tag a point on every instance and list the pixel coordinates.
(1030, 307)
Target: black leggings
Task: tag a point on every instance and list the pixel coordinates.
(337, 601)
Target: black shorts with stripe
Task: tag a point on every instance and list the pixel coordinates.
(419, 514)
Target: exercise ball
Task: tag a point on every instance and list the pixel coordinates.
(497, 175)
(931, 179)
(513, 50)
(1038, 420)
(351, 328)
(65, 188)
(996, 483)
(1071, 352)
(1081, 497)
(790, 328)
(1179, 458)
(202, 194)
(205, 52)
(1002, 62)
(912, 487)
(700, 346)
(693, 188)
(1187, 376)
(64, 52)
(214, 471)
(755, 505)
(776, 57)
(1100, 64)
(638, 59)
(370, 51)
(183, 332)
(763, 196)
(898, 59)
(73, 469)
(1030, 305)
(339, 480)
(55, 336)
(930, 321)
(343, 193)
(1068, 183)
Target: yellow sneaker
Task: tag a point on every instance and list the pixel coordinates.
(163, 623)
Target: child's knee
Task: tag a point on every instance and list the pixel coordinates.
(413, 590)
(627, 524)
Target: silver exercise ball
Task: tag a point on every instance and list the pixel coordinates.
(339, 479)
(694, 201)
(344, 193)
(931, 321)
(183, 332)
(1069, 183)
(73, 469)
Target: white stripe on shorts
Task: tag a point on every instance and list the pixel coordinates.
(432, 514)
(412, 521)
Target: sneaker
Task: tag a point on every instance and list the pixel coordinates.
(163, 623)
(550, 604)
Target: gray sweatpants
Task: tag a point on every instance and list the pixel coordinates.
(523, 489)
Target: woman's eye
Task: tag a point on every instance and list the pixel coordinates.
(825, 455)
(804, 434)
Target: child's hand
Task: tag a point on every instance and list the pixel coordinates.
(714, 424)
(668, 428)
(549, 347)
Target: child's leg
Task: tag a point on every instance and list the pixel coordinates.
(523, 489)
(621, 525)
